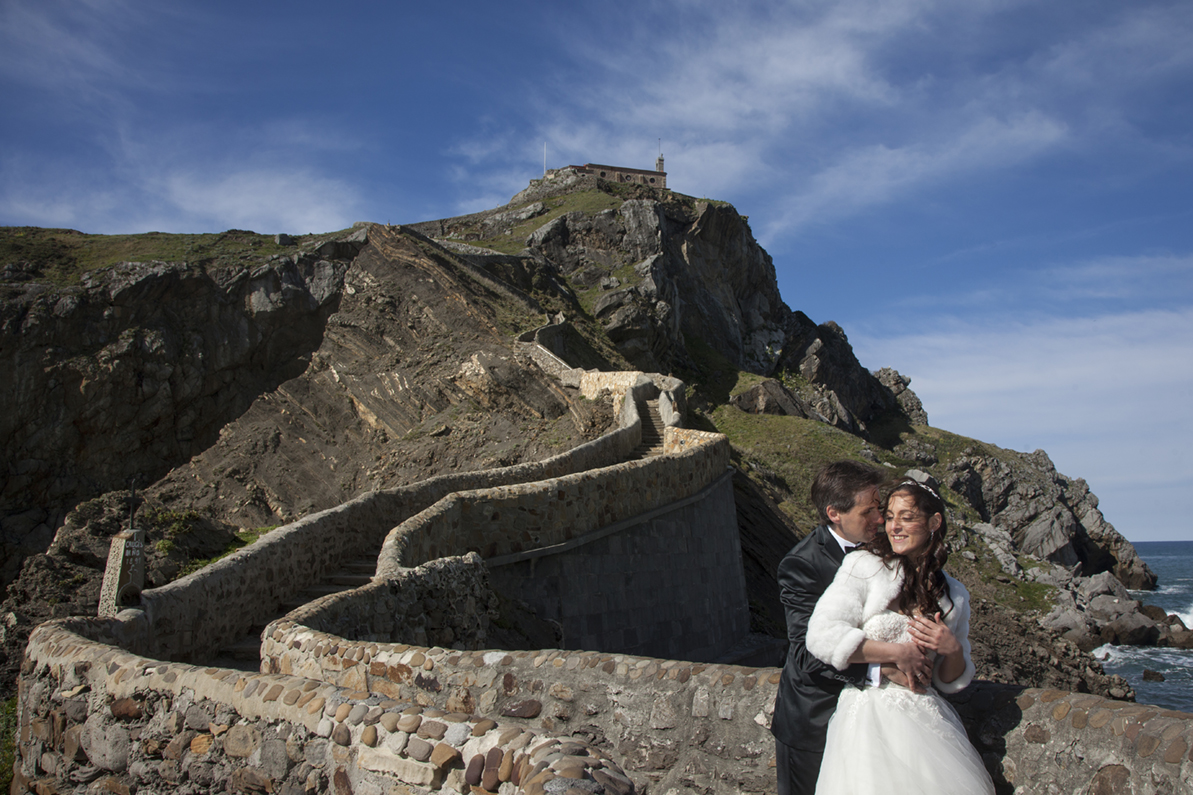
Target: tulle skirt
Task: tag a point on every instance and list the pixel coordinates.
(892, 741)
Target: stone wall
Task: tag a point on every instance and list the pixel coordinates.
(694, 727)
(90, 712)
(217, 605)
(668, 583)
(445, 602)
(507, 520)
(1039, 742)
(653, 179)
(143, 722)
(704, 728)
(89, 709)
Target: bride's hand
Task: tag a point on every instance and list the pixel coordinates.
(931, 633)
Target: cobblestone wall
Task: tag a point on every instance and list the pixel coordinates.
(704, 728)
(1040, 742)
(694, 727)
(92, 714)
(96, 702)
(445, 602)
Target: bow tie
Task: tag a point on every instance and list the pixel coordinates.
(853, 548)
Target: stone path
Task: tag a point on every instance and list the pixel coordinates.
(652, 431)
(245, 654)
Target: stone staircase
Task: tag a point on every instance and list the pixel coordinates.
(652, 431)
(245, 654)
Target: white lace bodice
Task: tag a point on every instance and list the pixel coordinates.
(888, 626)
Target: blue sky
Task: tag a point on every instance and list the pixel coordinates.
(993, 197)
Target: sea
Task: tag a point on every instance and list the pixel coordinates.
(1172, 561)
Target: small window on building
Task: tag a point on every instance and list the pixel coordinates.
(602, 174)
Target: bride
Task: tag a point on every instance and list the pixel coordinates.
(895, 738)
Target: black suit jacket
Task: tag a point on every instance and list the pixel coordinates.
(809, 688)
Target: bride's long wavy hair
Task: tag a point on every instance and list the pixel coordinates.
(924, 582)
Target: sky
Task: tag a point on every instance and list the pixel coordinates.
(994, 197)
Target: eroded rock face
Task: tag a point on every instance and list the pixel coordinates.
(1047, 514)
(841, 390)
(900, 388)
(139, 368)
(771, 397)
(699, 272)
(409, 377)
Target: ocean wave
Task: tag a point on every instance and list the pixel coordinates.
(1155, 657)
(1182, 587)
(1186, 615)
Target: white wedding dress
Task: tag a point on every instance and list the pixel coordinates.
(888, 740)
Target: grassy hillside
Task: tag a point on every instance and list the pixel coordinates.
(61, 256)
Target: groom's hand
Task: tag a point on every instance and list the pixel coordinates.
(892, 673)
(914, 665)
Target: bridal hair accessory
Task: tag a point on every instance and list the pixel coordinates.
(924, 486)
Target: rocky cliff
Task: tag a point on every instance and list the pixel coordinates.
(139, 367)
(250, 392)
(658, 269)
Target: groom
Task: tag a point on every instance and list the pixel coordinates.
(846, 495)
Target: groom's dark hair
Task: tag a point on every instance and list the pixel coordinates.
(837, 484)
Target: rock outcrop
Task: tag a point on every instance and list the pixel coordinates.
(1092, 611)
(1047, 515)
(771, 397)
(138, 368)
(664, 268)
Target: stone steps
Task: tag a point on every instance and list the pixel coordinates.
(652, 431)
(245, 654)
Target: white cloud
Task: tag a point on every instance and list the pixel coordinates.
(878, 174)
(831, 109)
(262, 200)
(1156, 278)
(182, 198)
(58, 47)
(1106, 396)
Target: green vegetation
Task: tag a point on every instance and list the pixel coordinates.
(61, 256)
(1003, 590)
(8, 741)
(171, 524)
(783, 453)
(609, 196)
(242, 540)
(714, 378)
(588, 202)
(1035, 596)
(588, 297)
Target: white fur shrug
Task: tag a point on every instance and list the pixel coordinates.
(863, 588)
